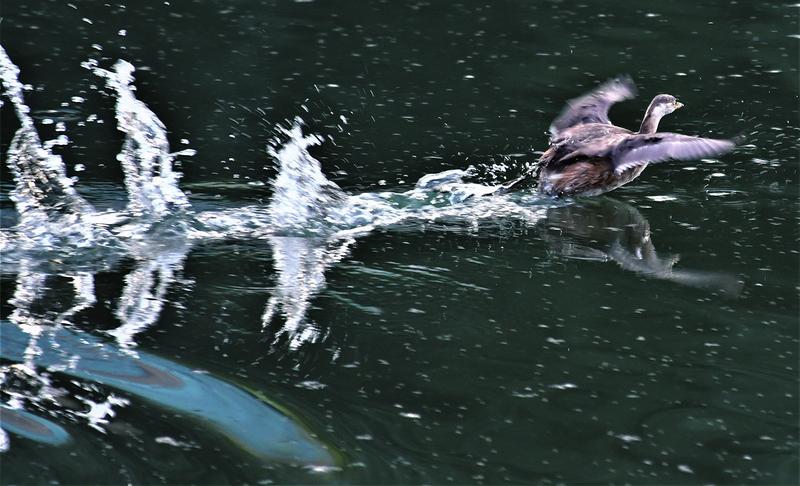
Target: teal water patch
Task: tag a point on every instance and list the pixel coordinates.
(252, 424)
(30, 426)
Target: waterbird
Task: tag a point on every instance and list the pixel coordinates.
(588, 155)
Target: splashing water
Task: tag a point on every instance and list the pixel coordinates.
(152, 184)
(310, 222)
(51, 212)
(301, 192)
(53, 216)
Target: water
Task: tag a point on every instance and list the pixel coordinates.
(278, 261)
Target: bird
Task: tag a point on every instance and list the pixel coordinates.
(588, 155)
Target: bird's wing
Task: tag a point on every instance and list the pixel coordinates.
(636, 150)
(593, 107)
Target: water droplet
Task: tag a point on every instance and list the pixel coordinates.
(662, 198)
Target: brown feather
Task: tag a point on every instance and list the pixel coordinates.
(589, 156)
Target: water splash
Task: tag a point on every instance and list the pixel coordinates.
(311, 224)
(51, 212)
(305, 202)
(303, 199)
(150, 180)
(53, 217)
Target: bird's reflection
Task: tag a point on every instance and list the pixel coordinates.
(601, 229)
(605, 229)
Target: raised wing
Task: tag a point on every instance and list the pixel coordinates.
(636, 150)
(593, 107)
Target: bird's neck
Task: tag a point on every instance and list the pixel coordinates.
(650, 122)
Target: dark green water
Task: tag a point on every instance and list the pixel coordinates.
(565, 349)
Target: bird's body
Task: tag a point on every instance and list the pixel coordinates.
(562, 172)
(588, 155)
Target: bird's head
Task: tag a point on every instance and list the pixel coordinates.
(664, 104)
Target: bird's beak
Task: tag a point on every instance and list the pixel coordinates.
(678, 104)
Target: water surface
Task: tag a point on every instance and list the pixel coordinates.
(223, 327)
